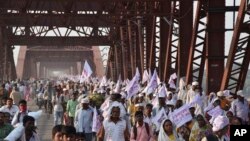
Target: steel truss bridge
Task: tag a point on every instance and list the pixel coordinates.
(182, 36)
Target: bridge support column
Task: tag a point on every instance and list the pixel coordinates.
(38, 69)
(79, 67)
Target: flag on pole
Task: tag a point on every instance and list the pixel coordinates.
(104, 81)
(153, 81)
(94, 123)
(137, 73)
(86, 72)
(145, 76)
(133, 86)
(171, 81)
(118, 85)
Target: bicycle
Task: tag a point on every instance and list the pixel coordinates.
(49, 108)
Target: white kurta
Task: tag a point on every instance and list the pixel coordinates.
(240, 109)
(83, 120)
(114, 132)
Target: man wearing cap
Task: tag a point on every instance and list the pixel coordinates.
(220, 129)
(191, 92)
(161, 104)
(224, 103)
(149, 95)
(84, 119)
(240, 108)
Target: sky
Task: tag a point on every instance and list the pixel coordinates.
(228, 35)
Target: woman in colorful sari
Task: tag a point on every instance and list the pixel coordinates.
(200, 129)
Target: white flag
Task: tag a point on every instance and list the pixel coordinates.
(159, 117)
(104, 81)
(87, 71)
(133, 87)
(94, 123)
(118, 85)
(145, 76)
(137, 73)
(153, 81)
(171, 81)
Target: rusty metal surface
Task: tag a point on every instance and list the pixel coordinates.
(239, 54)
(196, 60)
(173, 41)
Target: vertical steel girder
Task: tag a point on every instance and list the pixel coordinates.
(140, 37)
(173, 41)
(117, 61)
(239, 53)
(215, 46)
(151, 42)
(164, 30)
(125, 52)
(185, 32)
(196, 59)
(132, 46)
(110, 64)
(11, 65)
(1, 53)
(7, 64)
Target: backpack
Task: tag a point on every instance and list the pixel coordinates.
(19, 115)
(135, 129)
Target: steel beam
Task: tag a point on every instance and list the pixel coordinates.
(59, 20)
(58, 41)
(185, 32)
(164, 30)
(215, 47)
(196, 59)
(173, 42)
(239, 54)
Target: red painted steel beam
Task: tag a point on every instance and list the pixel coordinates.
(149, 24)
(151, 44)
(172, 43)
(185, 32)
(196, 59)
(164, 30)
(58, 41)
(239, 53)
(132, 46)
(59, 20)
(1, 53)
(125, 52)
(215, 47)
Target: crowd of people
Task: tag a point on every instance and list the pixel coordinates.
(98, 110)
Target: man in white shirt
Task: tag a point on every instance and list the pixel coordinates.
(240, 108)
(10, 108)
(58, 100)
(29, 132)
(23, 111)
(83, 120)
(191, 92)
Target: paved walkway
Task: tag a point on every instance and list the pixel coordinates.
(44, 123)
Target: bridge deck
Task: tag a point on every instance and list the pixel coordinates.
(44, 123)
